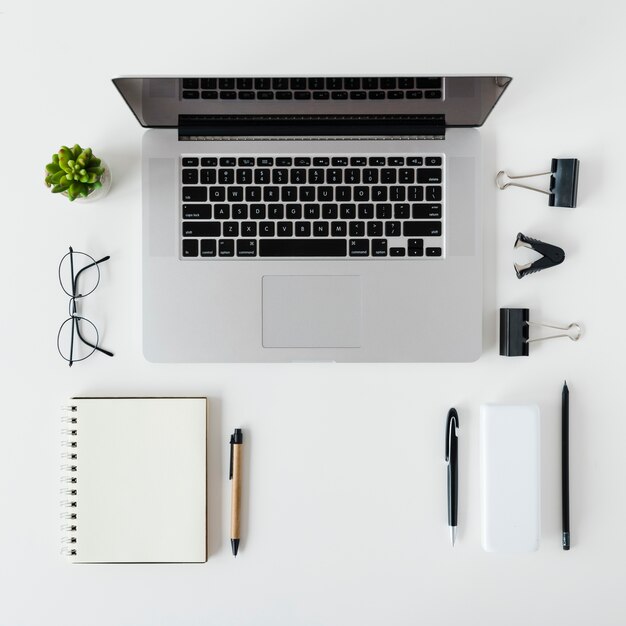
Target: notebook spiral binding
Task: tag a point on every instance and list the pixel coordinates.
(69, 479)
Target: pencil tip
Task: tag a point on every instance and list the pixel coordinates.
(234, 544)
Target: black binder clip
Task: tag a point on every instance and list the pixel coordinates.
(552, 255)
(514, 332)
(563, 182)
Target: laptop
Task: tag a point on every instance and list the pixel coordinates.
(312, 218)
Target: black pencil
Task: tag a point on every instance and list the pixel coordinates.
(565, 464)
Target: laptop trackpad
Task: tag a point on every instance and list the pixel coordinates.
(311, 311)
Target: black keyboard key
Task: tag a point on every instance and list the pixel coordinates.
(370, 83)
(416, 194)
(226, 176)
(303, 229)
(240, 211)
(414, 95)
(271, 194)
(406, 82)
(324, 194)
(312, 211)
(298, 176)
(397, 194)
(208, 247)
(195, 194)
(190, 177)
(375, 229)
(321, 161)
(245, 161)
(298, 83)
(432, 94)
(262, 176)
(320, 229)
(334, 83)
(248, 229)
(376, 95)
(246, 247)
(433, 161)
(334, 176)
(196, 211)
(343, 194)
(379, 247)
(257, 211)
(366, 211)
(330, 211)
(191, 83)
(222, 211)
(275, 211)
(280, 83)
(208, 162)
(244, 176)
(358, 95)
(433, 194)
(230, 229)
(407, 175)
(302, 161)
(316, 83)
(289, 194)
(356, 229)
(393, 229)
(379, 194)
(352, 83)
(370, 175)
(226, 247)
(430, 175)
(358, 161)
(347, 211)
(190, 161)
(416, 251)
(388, 82)
(307, 194)
(262, 83)
(321, 95)
(209, 95)
(294, 211)
(397, 252)
(428, 83)
(316, 176)
(244, 83)
(228, 95)
(359, 247)
(422, 229)
(191, 95)
(388, 176)
(226, 83)
(383, 211)
(395, 161)
(283, 161)
(377, 161)
(265, 161)
(426, 211)
(208, 177)
(433, 251)
(338, 229)
(284, 229)
(395, 95)
(302, 95)
(339, 161)
(284, 95)
(353, 176)
(401, 211)
(208, 83)
(235, 194)
(280, 176)
(265, 95)
(201, 229)
(217, 194)
(361, 194)
(415, 243)
(267, 229)
(302, 247)
(415, 161)
(228, 161)
(339, 95)
(190, 247)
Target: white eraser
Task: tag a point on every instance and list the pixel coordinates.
(510, 478)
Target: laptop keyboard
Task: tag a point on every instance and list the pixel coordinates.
(312, 206)
(330, 88)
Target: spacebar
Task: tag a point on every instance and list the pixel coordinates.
(302, 247)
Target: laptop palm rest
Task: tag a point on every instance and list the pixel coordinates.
(312, 311)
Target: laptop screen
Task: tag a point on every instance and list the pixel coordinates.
(166, 102)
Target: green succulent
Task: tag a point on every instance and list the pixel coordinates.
(75, 171)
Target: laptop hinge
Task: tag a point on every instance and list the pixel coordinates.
(299, 127)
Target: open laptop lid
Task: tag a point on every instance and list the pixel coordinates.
(387, 106)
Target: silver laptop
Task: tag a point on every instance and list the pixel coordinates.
(312, 218)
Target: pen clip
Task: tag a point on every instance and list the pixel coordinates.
(452, 416)
(230, 471)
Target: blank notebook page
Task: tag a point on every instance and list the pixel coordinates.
(140, 473)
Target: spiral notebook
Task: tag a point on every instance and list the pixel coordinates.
(134, 480)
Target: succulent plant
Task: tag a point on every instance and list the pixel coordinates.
(75, 171)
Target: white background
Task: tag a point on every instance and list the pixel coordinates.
(345, 513)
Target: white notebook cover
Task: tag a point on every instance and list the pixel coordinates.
(510, 475)
(140, 480)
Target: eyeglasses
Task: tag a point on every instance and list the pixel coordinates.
(78, 337)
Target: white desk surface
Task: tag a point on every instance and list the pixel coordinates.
(345, 511)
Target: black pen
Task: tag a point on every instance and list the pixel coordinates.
(565, 464)
(236, 442)
(452, 460)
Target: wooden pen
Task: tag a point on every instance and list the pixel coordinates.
(236, 443)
